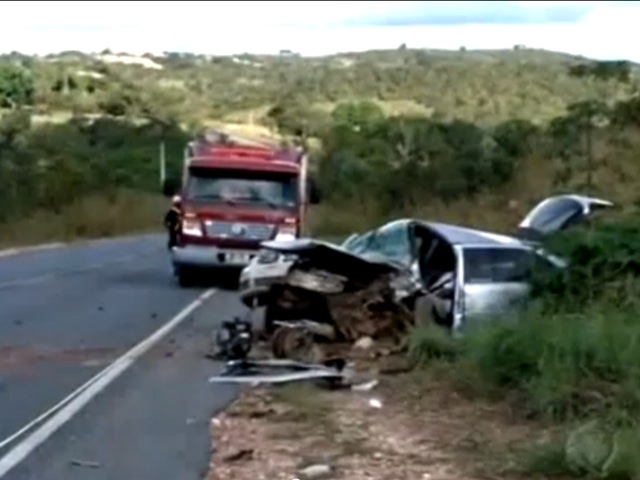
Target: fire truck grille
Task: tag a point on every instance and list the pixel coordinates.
(253, 231)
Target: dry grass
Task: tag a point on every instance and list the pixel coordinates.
(92, 217)
(251, 131)
(391, 108)
(487, 212)
(424, 430)
(248, 116)
(244, 124)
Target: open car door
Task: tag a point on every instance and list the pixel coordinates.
(557, 213)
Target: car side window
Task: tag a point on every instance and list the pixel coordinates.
(497, 265)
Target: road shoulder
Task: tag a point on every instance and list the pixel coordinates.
(7, 252)
(404, 428)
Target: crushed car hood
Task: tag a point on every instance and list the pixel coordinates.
(336, 259)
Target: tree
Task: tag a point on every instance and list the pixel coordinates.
(16, 86)
(588, 113)
(619, 70)
(13, 127)
(120, 101)
(516, 137)
(356, 114)
(290, 115)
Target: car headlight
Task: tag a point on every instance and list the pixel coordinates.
(267, 256)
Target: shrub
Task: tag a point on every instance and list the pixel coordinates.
(566, 366)
(604, 264)
(572, 358)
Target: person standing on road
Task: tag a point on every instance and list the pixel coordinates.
(172, 222)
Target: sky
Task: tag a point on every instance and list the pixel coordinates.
(596, 29)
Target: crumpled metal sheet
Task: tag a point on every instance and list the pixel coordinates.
(364, 296)
(276, 371)
(372, 311)
(316, 281)
(332, 258)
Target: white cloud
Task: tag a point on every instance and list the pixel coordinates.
(307, 27)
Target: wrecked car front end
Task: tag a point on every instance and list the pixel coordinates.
(332, 295)
(316, 295)
(266, 269)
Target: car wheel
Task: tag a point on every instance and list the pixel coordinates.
(230, 280)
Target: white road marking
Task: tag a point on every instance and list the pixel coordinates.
(42, 417)
(70, 406)
(35, 248)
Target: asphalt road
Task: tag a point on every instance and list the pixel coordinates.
(66, 314)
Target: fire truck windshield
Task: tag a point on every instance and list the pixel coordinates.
(272, 190)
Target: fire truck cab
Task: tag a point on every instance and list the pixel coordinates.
(233, 197)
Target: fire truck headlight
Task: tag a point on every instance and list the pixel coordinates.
(286, 232)
(192, 226)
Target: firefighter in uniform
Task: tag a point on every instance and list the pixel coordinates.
(172, 222)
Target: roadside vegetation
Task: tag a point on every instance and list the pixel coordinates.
(568, 364)
(450, 135)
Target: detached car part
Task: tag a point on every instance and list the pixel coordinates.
(280, 371)
(234, 339)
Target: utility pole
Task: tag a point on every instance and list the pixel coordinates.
(163, 165)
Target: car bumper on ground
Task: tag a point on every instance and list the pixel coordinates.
(196, 256)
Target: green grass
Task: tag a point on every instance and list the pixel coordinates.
(580, 370)
(571, 361)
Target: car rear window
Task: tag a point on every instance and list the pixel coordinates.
(555, 215)
(497, 265)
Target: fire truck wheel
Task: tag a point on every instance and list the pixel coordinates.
(185, 277)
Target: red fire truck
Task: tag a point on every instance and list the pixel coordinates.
(232, 198)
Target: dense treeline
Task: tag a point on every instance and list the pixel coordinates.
(403, 161)
(52, 165)
(393, 163)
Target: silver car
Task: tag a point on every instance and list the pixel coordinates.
(488, 272)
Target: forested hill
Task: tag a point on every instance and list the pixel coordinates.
(82, 132)
(479, 86)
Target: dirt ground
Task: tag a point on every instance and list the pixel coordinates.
(409, 427)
